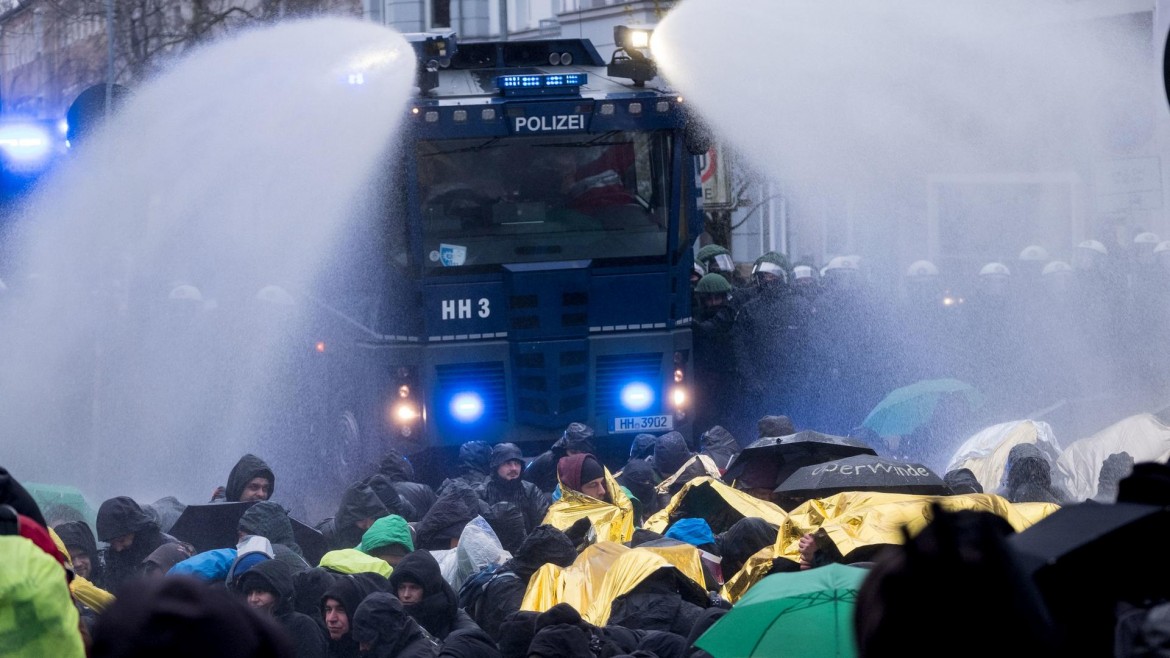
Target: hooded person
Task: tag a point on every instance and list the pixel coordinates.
(183, 617)
(308, 587)
(509, 524)
(427, 597)
(474, 466)
(469, 643)
(132, 536)
(251, 479)
(639, 478)
(1114, 469)
(401, 474)
(503, 592)
(516, 632)
(657, 604)
(542, 471)
(742, 540)
(37, 615)
(384, 629)
(962, 481)
(584, 474)
(268, 587)
(269, 520)
(14, 494)
(388, 540)
(160, 561)
(642, 447)
(358, 510)
(505, 485)
(339, 605)
(670, 453)
(1028, 476)
(441, 527)
(250, 551)
(82, 546)
(385, 489)
(718, 444)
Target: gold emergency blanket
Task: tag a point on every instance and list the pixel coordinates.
(859, 520)
(602, 573)
(706, 463)
(611, 522)
(709, 493)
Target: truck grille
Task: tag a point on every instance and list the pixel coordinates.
(616, 370)
(551, 383)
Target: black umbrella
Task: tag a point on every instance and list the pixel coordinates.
(216, 525)
(861, 473)
(786, 454)
(1086, 557)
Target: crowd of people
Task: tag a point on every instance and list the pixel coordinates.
(490, 562)
(1027, 332)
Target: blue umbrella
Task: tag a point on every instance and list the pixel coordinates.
(910, 407)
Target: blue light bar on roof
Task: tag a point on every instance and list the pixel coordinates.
(537, 84)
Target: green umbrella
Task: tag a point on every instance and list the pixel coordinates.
(906, 409)
(60, 503)
(803, 614)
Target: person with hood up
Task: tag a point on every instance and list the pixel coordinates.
(250, 552)
(251, 479)
(159, 562)
(962, 481)
(742, 540)
(132, 536)
(474, 466)
(639, 478)
(657, 604)
(718, 444)
(542, 471)
(440, 529)
(1114, 469)
(400, 472)
(642, 447)
(670, 453)
(388, 540)
(383, 629)
(506, 485)
(268, 588)
(503, 591)
(358, 510)
(1028, 476)
(584, 474)
(82, 547)
(271, 521)
(339, 605)
(38, 616)
(427, 597)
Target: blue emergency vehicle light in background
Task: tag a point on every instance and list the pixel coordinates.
(637, 396)
(537, 84)
(466, 407)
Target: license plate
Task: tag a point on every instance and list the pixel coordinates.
(642, 424)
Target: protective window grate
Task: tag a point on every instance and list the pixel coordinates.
(616, 370)
(486, 378)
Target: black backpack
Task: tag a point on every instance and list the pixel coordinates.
(471, 592)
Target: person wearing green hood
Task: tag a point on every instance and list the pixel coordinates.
(388, 539)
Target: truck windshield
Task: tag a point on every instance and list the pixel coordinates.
(539, 199)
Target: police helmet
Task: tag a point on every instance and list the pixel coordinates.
(1034, 253)
(186, 293)
(697, 268)
(995, 269)
(1056, 267)
(1146, 238)
(802, 272)
(712, 284)
(707, 252)
(921, 269)
(1094, 245)
(1162, 246)
(841, 263)
(773, 264)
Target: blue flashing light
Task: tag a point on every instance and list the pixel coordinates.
(26, 143)
(540, 83)
(637, 397)
(466, 407)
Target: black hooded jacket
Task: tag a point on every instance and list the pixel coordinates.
(1029, 476)
(639, 477)
(358, 502)
(531, 501)
(474, 466)
(447, 516)
(718, 444)
(655, 604)
(382, 622)
(122, 516)
(398, 469)
(12, 493)
(78, 538)
(670, 453)
(469, 643)
(542, 471)
(308, 586)
(742, 540)
(250, 466)
(350, 590)
(504, 593)
(269, 520)
(439, 611)
(387, 492)
(277, 577)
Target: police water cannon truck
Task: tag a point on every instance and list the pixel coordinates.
(537, 253)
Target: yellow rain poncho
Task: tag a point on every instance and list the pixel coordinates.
(718, 503)
(602, 573)
(611, 522)
(37, 615)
